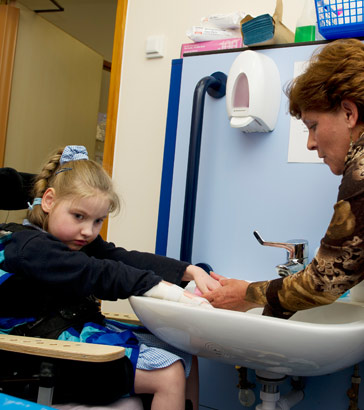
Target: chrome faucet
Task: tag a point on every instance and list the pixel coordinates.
(297, 254)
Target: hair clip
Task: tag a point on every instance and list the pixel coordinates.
(62, 170)
(36, 201)
(73, 153)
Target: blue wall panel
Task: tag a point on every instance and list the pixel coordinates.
(246, 184)
(168, 157)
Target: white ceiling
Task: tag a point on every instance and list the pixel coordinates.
(90, 21)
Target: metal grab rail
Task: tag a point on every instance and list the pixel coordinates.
(215, 86)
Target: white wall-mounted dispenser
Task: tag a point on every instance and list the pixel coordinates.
(253, 92)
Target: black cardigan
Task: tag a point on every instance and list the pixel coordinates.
(48, 275)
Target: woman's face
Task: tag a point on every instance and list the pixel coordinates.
(329, 135)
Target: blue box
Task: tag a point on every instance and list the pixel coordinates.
(14, 403)
(340, 18)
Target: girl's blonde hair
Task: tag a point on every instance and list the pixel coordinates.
(79, 179)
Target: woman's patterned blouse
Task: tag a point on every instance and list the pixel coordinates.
(339, 262)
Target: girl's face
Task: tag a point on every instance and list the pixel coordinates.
(75, 222)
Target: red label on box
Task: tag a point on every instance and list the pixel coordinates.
(225, 44)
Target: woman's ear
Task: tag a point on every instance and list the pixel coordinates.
(48, 200)
(350, 111)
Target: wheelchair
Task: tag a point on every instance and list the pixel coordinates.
(50, 371)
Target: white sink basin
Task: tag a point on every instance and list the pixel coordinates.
(313, 342)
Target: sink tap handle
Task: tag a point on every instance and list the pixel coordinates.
(296, 248)
(288, 246)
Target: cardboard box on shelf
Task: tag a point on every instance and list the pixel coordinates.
(213, 45)
(279, 33)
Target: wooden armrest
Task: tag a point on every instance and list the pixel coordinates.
(59, 349)
(123, 317)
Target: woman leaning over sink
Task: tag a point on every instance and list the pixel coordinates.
(329, 98)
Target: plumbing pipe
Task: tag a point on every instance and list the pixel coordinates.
(246, 393)
(294, 396)
(353, 392)
(246, 397)
(269, 392)
(271, 399)
(290, 399)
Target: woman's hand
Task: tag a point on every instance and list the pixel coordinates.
(204, 282)
(231, 295)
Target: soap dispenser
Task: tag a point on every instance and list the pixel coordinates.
(253, 92)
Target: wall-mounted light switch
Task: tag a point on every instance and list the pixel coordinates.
(154, 47)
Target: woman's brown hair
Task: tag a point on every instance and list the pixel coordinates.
(334, 72)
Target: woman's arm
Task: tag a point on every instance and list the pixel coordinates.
(337, 266)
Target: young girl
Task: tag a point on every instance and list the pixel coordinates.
(56, 267)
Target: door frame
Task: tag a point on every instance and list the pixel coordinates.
(9, 21)
(114, 91)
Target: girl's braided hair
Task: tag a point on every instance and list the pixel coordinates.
(79, 179)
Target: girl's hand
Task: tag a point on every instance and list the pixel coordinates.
(167, 291)
(204, 282)
(217, 276)
(194, 299)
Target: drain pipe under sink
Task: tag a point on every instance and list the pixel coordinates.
(270, 395)
(290, 399)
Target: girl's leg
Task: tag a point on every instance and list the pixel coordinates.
(192, 385)
(168, 386)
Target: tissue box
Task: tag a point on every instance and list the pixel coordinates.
(268, 30)
(225, 44)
